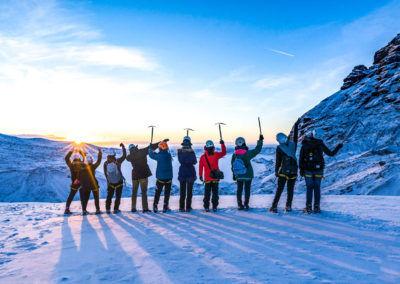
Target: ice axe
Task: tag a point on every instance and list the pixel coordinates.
(259, 125)
(152, 131)
(187, 131)
(219, 126)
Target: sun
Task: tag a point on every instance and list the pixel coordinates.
(79, 139)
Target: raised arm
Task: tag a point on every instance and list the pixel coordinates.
(329, 152)
(99, 157)
(256, 150)
(122, 158)
(223, 150)
(296, 134)
(68, 159)
(301, 161)
(152, 154)
(105, 169)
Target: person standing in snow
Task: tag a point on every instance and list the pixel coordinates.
(89, 182)
(286, 168)
(140, 173)
(312, 166)
(75, 166)
(115, 179)
(187, 174)
(163, 175)
(208, 166)
(242, 169)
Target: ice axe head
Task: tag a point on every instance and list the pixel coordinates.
(187, 131)
(219, 126)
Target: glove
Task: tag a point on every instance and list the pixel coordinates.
(340, 146)
(302, 173)
(277, 174)
(166, 140)
(261, 137)
(201, 179)
(122, 145)
(221, 142)
(234, 177)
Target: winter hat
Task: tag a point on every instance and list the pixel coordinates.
(317, 133)
(163, 145)
(209, 144)
(240, 142)
(89, 159)
(281, 138)
(131, 146)
(76, 156)
(187, 139)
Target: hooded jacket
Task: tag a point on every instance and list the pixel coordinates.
(187, 159)
(118, 162)
(138, 159)
(164, 164)
(75, 168)
(88, 174)
(246, 156)
(285, 160)
(213, 159)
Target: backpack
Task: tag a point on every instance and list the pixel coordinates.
(239, 167)
(314, 158)
(113, 173)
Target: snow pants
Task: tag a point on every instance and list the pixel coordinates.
(72, 193)
(160, 184)
(143, 188)
(186, 193)
(313, 184)
(96, 196)
(291, 181)
(84, 194)
(211, 186)
(111, 188)
(246, 184)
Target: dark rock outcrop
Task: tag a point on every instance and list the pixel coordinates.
(359, 72)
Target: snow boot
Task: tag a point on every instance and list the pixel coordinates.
(108, 211)
(84, 213)
(133, 210)
(207, 209)
(273, 209)
(240, 206)
(188, 210)
(67, 211)
(307, 209)
(288, 209)
(215, 209)
(155, 209)
(181, 210)
(246, 208)
(116, 211)
(166, 209)
(145, 211)
(317, 209)
(98, 212)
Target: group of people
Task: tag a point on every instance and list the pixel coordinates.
(311, 165)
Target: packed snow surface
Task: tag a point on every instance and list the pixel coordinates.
(355, 239)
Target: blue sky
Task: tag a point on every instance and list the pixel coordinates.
(105, 70)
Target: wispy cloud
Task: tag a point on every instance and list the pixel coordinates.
(273, 82)
(280, 52)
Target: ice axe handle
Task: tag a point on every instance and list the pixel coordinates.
(220, 132)
(259, 125)
(152, 135)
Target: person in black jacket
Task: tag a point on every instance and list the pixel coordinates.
(75, 167)
(286, 168)
(187, 174)
(115, 179)
(312, 166)
(89, 182)
(140, 173)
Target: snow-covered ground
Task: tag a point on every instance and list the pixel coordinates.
(355, 239)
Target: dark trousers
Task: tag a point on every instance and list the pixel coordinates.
(111, 188)
(208, 188)
(143, 187)
(96, 199)
(246, 184)
(72, 193)
(84, 194)
(313, 184)
(186, 192)
(160, 184)
(290, 189)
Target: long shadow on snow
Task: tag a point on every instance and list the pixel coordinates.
(231, 252)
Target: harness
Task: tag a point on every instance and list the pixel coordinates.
(164, 182)
(287, 177)
(116, 186)
(317, 176)
(211, 181)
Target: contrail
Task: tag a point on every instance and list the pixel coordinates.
(280, 52)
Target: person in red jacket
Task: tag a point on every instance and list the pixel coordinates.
(208, 162)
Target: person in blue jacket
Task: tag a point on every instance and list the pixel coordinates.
(187, 174)
(163, 175)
